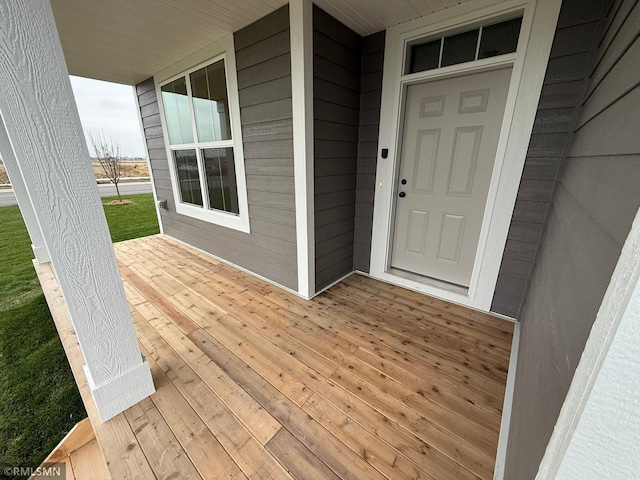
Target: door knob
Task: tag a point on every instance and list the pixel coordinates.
(402, 194)
(403, 181)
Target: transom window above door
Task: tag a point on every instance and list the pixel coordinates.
(482, 42)
(202, 132)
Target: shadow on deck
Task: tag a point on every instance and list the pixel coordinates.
(365, 381)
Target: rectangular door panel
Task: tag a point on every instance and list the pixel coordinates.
(466, 145)
(451, 235)
(432, 106)
(418, 226)
(426, 155)
(474, 102)
(449, 143)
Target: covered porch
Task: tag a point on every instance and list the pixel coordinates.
(367, 380)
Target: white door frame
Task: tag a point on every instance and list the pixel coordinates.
(529, 65)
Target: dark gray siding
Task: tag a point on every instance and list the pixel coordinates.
(596, 199)
(336, 100)
(565, 82)
(370, 98)
(264, 81)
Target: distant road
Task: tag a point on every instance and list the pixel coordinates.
(8, 198)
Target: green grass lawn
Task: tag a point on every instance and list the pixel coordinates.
(39, 400)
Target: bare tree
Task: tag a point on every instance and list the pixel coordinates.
(108, 154)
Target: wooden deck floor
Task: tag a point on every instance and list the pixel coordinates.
(80, 453)
(365, 381)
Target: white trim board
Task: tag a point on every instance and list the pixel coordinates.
(301, 23)
(529, 66)
(507, 406)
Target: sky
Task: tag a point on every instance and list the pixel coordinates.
(109, 108)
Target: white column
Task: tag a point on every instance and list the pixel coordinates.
(24, 203)
(301, 32)
(44, 129)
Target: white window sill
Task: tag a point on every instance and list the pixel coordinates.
(227, 220)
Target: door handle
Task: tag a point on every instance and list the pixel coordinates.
(402, 194)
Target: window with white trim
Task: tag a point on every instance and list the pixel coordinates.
(202, 125)
(483, 42)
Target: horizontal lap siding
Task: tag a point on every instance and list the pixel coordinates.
(336, 92)
(371, 94)
(564, 85)
(596, 199)
(264, 82)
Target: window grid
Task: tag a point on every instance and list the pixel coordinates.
(409, 52)
(198, 146)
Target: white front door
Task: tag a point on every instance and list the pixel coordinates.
(450, 137)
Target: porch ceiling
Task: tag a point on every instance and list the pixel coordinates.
(127, 41)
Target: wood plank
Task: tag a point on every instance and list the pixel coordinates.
(491, 368)
(257, 420)
(297, 458)
(466, 456)
(88, 462)
(315, 336)
(422, 454)
(444, 323)
(68, 470)
(81, 434)
(246, 301)
(204, 313)
(475, 427)
(444, 390)
(183, 322)
(207, 454)
(374, 450)
(241, 445)
(165, 454)
(293, 418)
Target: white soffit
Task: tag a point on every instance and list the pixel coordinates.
(127, 41)
(370, 16)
